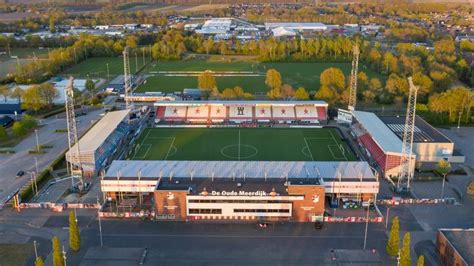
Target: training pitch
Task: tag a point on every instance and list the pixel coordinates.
(245, 144)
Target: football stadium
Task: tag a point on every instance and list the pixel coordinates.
(238, 160)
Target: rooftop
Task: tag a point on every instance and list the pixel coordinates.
(463, 241)
(275, 103)
(346, 171)
(424, 132)
(380, 132)
(92, 140)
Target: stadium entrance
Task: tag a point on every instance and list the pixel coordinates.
(254, 199)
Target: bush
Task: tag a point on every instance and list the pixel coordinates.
(19, 129)
(29, 122)
(3, 133)
(95, 100)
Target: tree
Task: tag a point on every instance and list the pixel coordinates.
(424, 83)
(5, 92)
(206, 80)
(394, 238)
(333, 78)
(58, 259)
(32, 99)
(369, 96)
(228, 94)
(131, 41)
(405, 258)
(52, 25)
(421, 261)
(19, 129)
(274, 93)
(74, 236)
(362, 81)
(3, 133)
(443, 167)
(48, 93)
(301, 94)
(29, 122)
(117, 48)
(287, 91)
(467, 46)
(39, 261)
(239, 92)
(17, 93)
(327, 94)
(90, 86)
(273, 79)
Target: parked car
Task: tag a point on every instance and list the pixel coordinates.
(20, 174)
(318, 225)
(6, 121)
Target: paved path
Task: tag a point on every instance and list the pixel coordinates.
(10, 164)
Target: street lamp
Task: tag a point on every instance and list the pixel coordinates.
(366, 225)
(100, 223)
(64, 256)
(108, 73)
(36, 164)
(36, 251)
(37, 142)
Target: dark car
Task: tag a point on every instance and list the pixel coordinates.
(20, 174)
(6, 121)
(318, 225)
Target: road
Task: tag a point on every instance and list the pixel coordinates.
(10, 164)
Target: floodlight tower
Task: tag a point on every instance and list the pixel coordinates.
(354, 70)
(74, 165)
(127, 79)
(406, 163)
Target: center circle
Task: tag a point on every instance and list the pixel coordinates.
(232, 151)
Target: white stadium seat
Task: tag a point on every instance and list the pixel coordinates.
(198, 113)
(175, 113)
(263, 112)
(240, 113)
(218, 112)
(306, 113)
(286, 113)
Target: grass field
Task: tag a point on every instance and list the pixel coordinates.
(295, 74)
(253, 144)
(97, 67)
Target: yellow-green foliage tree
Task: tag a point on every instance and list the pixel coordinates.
(421, 261)
(405, 258)
(273, 79)
(58, 259)
(39, 261)
(394, 238)
(74, 236)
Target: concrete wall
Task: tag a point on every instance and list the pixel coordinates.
(429, 151)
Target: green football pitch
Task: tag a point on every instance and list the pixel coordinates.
(246, 144)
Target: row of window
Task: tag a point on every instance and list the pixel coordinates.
(236, 201)
(205, 211)
(262, 210)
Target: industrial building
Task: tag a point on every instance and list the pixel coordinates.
(240, 190)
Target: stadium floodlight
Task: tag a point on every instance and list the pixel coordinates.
(406, 162)
(354, 70)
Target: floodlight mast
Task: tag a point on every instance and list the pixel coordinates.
(407, 160)
(74, 164)
(127, 80)
(354, 70)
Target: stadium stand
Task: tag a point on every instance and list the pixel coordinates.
(306, 113)
(101, 142)
(240, 113)
(198, 113)
(218, 113)
(283, 113)
(263, 113)
(175, 113)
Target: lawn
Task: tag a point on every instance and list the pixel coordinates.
(306, 75)
(26, 53)
(97, 67)
(172, 84)
(259, 144)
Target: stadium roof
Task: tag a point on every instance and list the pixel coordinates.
(281, 103)
(283, 32)
(424, 132)
(381, 134)
(101, 131)
(296, 25)
(237, 169)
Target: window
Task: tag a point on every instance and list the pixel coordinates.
(205, 211)
(262, 210)
(236, 201)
